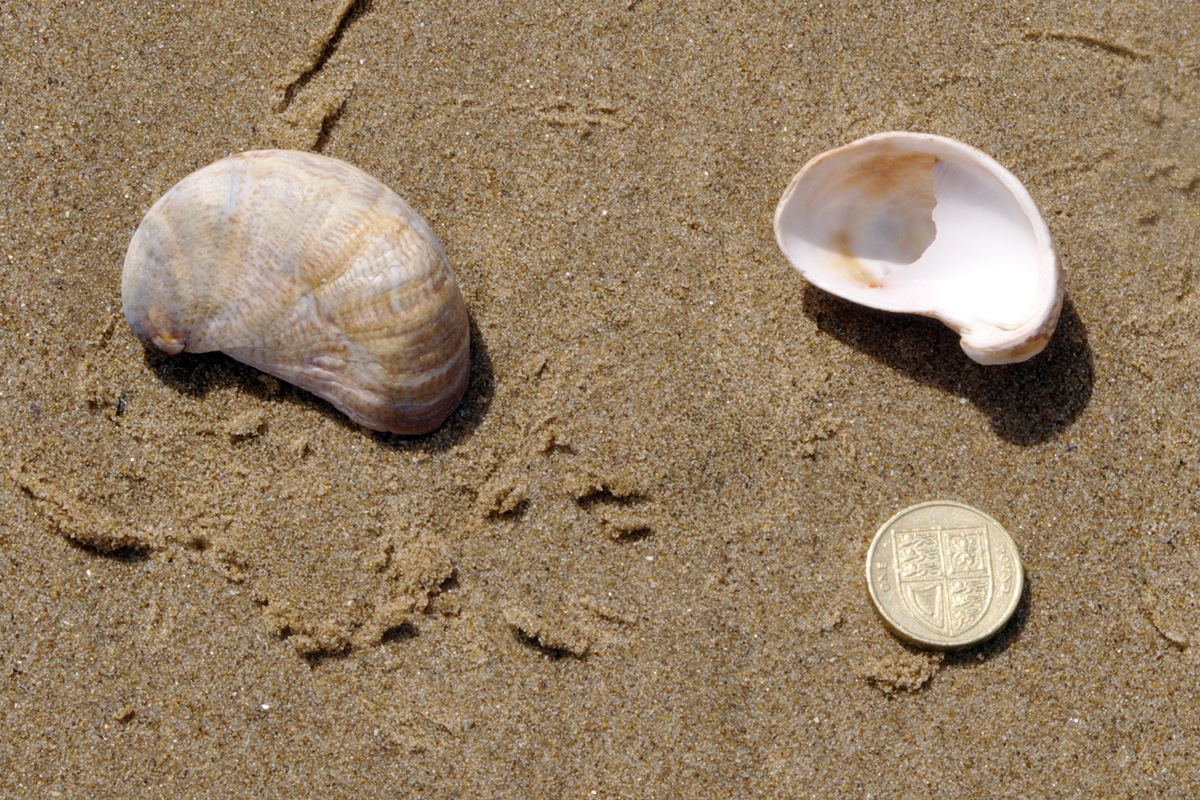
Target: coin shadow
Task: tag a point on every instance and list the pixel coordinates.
(1026, 403)
(198, 374)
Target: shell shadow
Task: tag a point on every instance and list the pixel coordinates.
(197, 374)
(1026, 403)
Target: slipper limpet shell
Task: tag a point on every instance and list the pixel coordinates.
(922, 224)
(309, 269)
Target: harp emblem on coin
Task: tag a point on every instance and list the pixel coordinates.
(944, 576)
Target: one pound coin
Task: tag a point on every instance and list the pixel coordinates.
(944, 575)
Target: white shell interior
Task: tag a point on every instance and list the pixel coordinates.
(924, 224)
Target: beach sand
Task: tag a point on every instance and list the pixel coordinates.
(631, 565)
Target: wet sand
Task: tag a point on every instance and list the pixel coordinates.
(631, 564)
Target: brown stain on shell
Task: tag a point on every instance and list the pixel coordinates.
(894, 173)
(898, 183)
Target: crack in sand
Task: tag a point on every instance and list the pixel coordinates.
(1093, 42)
(328, 122)
(352, 10)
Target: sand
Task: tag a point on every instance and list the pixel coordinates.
(631, 564)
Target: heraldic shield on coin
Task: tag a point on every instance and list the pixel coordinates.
(944, 575)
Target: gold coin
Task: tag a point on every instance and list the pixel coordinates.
(944, 575)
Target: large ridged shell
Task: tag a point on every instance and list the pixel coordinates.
(311, 270)
(923, 224)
